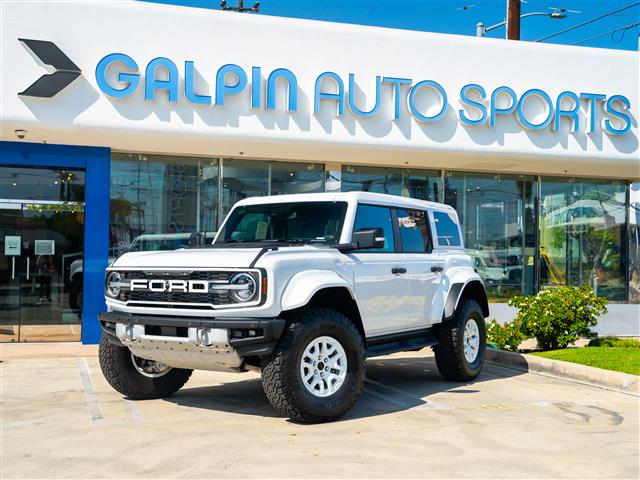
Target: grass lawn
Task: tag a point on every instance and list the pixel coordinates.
(625, 360)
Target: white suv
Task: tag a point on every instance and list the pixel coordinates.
(302, 288)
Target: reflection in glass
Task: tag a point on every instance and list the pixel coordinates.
(158, 200)
(249, 178)
(421, 184)
(633, 270)
(370, 216)
(582, 233)
(414, 230)
(497, 217)
(42, 184)
(41, 271)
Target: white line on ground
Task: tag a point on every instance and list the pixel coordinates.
(133, 411)
(90, 398)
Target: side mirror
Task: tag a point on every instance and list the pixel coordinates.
(196, 239)
(367, 238)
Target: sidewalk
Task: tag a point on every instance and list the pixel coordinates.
(22, 351)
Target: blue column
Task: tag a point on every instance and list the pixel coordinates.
(96, 240)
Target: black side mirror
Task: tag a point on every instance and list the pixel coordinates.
(196, 239)
(367, 238)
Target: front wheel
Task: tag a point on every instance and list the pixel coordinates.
(135, 377)
(316, 373)
(462, 343)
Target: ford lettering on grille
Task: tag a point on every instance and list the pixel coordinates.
(186, 286)
(191, 289)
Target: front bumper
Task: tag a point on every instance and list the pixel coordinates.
(193, 342)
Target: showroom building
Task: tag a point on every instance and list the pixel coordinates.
(130, 125)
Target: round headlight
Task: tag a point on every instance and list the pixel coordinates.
(244, 287)
(114, 280)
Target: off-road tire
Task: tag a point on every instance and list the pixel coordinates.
(281, 378)
(117, 367)
(449, 352)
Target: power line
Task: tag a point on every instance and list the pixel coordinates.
(587, 22)
(607, 33)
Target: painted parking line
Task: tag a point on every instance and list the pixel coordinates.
(131, 407)
(90, 398)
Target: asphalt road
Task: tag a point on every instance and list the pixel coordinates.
(60, 419)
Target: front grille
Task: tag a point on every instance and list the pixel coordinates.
(177, 298)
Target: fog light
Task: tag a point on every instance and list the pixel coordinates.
(206, 337)
(129, 333)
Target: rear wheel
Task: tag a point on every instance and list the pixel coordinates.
(138, 378)
(316, 372)
(462, 343)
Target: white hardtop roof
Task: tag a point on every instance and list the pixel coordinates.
(354, 197)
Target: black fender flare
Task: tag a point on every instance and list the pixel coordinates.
(473, 288)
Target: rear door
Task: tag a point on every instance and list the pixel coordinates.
(424, 268)
(380, 275)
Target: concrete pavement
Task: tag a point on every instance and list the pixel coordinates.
(60, 419)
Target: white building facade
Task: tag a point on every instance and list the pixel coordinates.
(150, 122)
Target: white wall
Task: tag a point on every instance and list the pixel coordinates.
(82, 114)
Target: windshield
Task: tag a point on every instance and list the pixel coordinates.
(302, 222)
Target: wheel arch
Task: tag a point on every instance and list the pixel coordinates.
(473, 289)
(338, 298)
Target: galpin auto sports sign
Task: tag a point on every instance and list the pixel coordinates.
(479, 106)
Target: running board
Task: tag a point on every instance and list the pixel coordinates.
(400, 342)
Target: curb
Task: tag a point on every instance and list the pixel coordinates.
(31, 351)
(573, 372)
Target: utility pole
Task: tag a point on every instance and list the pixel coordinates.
(513, 19)
(240, 8)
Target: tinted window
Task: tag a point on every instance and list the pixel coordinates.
(446, 229)
(413, 231)
(369, 216)
(313, 222)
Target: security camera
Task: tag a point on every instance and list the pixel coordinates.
(21, 133)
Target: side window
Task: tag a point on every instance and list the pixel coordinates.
(369, 216)
(414, 231)
(446, 229)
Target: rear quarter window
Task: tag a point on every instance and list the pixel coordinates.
(446, 229)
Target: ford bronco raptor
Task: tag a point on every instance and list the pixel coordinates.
(302, 288)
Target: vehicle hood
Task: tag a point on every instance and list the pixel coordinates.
(190, 258)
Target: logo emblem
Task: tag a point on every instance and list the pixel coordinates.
(52, 83)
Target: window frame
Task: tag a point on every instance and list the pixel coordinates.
(435, 237)
(395, 230)
(427, 212)
(397, 236)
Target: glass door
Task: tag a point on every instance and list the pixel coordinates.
(41, 255)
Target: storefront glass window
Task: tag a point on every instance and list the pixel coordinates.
(634, 243)
(422, 184)
(157, 201)
(249, 178)
(497, 216)
(583, 234)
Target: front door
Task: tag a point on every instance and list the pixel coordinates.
(41, 253)
(380, 276)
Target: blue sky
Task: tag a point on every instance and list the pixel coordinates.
(449, 16)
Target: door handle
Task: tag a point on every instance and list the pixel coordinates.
(437, 268)
(398, 270)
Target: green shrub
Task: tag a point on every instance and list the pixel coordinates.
(554, 317)
(506, 337)
(558, 317)
(614, 342)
